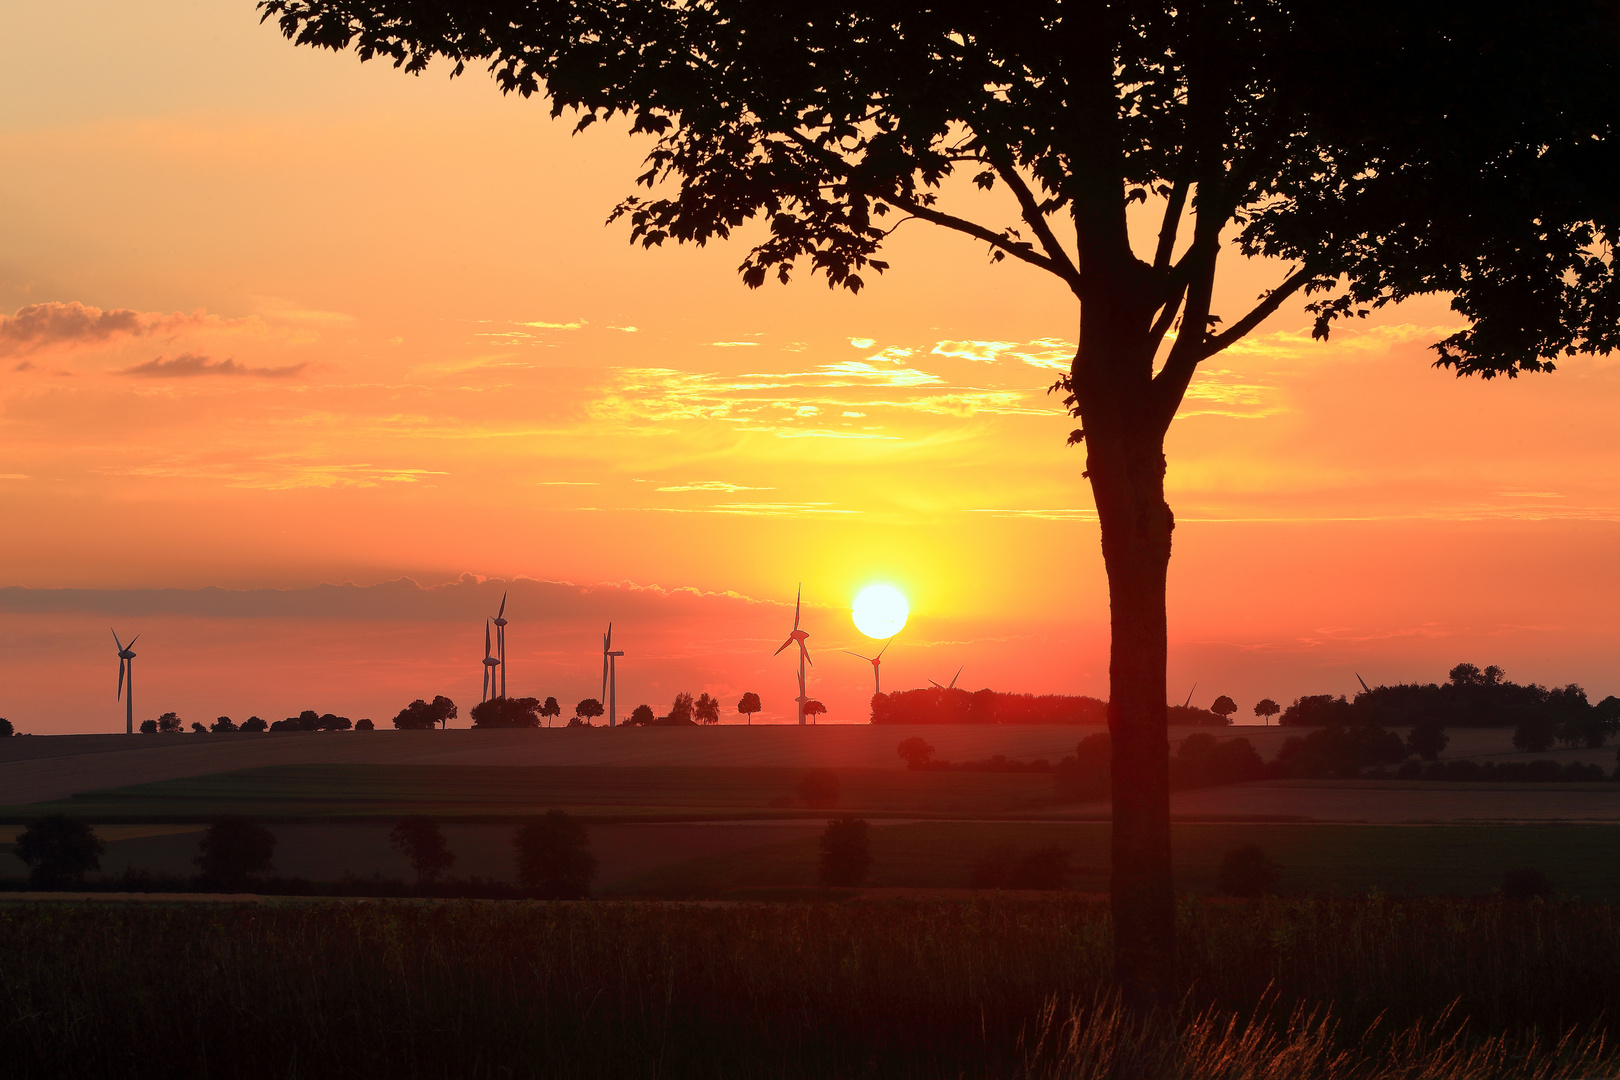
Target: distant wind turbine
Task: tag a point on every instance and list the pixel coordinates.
(490, 664)
(804, 653)
(126, 664)
(610, 676)
(876, 661)
(958, 675)
(500, 641)
(1188, 702)
(1363, 683)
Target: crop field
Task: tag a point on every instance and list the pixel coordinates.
(1346, 989)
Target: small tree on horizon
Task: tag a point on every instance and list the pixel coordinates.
(225, 723)
(748, 705)
(706, 710)
(550, 709)
(588, 710)
(420, 715)
(1265, 709)
(813, 709)
(169, 724)
(641, 716)
(6, 729)
(1224, 707)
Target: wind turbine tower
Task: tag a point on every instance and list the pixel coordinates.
(610, 676)
(804, 653)
(500, 641)
(126, 664)
(490, 664)
(876, 662)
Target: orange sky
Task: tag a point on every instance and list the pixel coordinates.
(373, 326)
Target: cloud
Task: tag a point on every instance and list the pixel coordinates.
(191, 365)
(713, 485)
(733, 344)
(72, 324)
(863, 342)
(1048, 354)
(575, 325)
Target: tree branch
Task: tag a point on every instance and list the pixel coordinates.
(1262, 311)
(999, 241)
(1002, 161)
(1172, 222)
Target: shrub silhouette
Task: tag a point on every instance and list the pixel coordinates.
(420, 840)
(254, 723)
(748, 705)
(420, 715)
(1526, 884)
(916, 752)
(1247, 871)
(6, 730)
(818, 789)
(1427, 740)
(586, 711)
(234, 851)
(640, 716)
(846, 853)
(554, 859)
(362, 724)
(58, 851)
(149, 727)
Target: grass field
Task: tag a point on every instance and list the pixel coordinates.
(1377, 989)
(1580, 860)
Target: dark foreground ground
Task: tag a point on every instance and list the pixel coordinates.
(1330, 988)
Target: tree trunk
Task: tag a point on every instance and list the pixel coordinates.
(1125, 462)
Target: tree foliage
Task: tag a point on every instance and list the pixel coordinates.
(420, 715)
(234, 851)
(504, 712)
(748, 705)
(554, 857)
(587, 710)
(421, 841)
(58, 851)
(706, 710)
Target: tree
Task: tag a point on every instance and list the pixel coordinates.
(846, 852)
(813, 709)
(421, 716)
(1224, 707)
(550, 709)
(225, 723)
(1427, 740)
(554, 857)
(254, 723)
(169, 724)
(748, 705)
(706, 710)
(6, 730)
(362, 724)
(1377, 151)
(1535, 735)
(588, 710)
(234, 851)
(641, 716)
(198, 728)
(916, 752)
(149, 727)
(502, 712)
(420, 840)
(1265, 709)
(58, 851)
(680, 710)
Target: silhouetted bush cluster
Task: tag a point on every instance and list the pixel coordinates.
(1530, 772)
(1337, 752)
(1471, 697)
(936, 706)
(919, 755)
(310, 720)
(422, 715)
(507, 712)
(1201, 760)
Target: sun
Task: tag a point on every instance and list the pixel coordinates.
(880, 611)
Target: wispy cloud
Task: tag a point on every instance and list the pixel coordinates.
(713, 485)
(192, 365)
(1048, 354)
(72, 324)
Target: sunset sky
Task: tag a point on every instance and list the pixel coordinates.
(275, 320)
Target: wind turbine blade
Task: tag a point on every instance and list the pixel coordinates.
(120, 694)
(958, 675)
(120, 644)
(607, 642)
(1188, 702)
(502, 612)
(886, 645)
(785, 644)
(486, 641)
(132, 641)
(868, 659)
(796, 598)
(1363, 683)
(935, 685)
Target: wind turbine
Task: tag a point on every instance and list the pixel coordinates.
(500, 641)
(875, 661)
(958, 675)
(610, 676)
(490, 664)
(126, 663)
(804, 653)
(1363, 683)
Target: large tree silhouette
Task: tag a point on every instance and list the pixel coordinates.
(1377, 151)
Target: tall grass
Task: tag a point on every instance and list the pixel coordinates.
(1342, 989)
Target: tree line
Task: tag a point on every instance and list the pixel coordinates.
(948, 705)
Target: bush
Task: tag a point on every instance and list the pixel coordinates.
(506, 712)
(58, 851)
(255, 724)
(554, 857)
(1526, 884)
(169, 724)
(363, 724)
(225, 723)
(149, 727)
(420, 841)
(1247, 871)
(6, 730)
(1008, 868)
(846, 853)
(1534, 735)
(916, 752)
(640, 716)
(234, 851)
(1427, 740)
(419, 715)
(818, 789)
(1085, 776)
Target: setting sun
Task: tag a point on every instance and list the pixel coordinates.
(880, 611)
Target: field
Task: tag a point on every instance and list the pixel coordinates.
(1330, 989)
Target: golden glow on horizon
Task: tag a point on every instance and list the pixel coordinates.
(880, 611)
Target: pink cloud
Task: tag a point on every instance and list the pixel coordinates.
(43, 326)
(190, 365)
